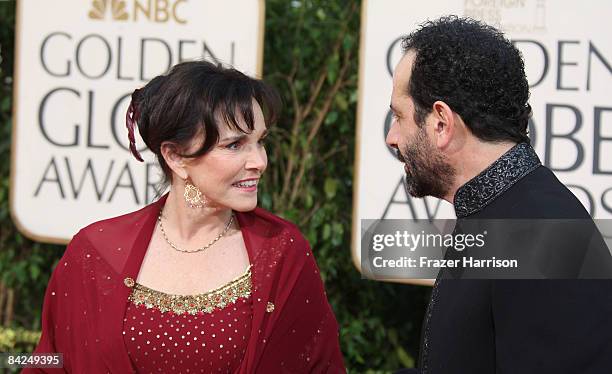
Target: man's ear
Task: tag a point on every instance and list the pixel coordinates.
(444, 124)
(175, 161)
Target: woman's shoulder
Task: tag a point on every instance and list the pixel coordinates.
(263, 223)
(261, 218)
(124, 225)
(265, 216)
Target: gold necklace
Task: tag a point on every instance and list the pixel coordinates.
(227, 226)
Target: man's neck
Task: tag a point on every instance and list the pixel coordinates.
(472, 160)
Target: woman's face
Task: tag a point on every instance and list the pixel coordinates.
(229, 173)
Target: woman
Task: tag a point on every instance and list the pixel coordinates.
(201, 280)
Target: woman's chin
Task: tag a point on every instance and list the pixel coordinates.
(246, 206)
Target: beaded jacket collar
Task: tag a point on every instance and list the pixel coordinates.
(502, 174)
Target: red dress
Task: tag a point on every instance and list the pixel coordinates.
(179, 334)
(293, 328)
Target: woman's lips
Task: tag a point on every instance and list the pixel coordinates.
(247, 189)
(249, 185)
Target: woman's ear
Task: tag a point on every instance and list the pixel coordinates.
(175, 161)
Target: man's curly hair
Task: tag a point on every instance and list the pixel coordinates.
(474, 69)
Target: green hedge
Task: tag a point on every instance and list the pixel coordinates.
(311, 56)
(25, 266)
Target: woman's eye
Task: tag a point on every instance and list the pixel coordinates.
(234, 145)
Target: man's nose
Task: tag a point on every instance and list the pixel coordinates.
(391, 138)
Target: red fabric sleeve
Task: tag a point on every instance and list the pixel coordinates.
(65, 318)
(54, 324)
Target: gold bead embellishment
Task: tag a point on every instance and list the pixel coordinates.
(207, 302)
(175, 247)
(129, 282)
(270, 307)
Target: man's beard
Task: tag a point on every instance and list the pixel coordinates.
(427, 171)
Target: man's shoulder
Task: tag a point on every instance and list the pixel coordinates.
(539, 195)
(551, 198)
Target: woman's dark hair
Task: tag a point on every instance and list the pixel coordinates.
(474, 69)
(189, 101)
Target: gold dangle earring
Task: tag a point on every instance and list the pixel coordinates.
(193, 196)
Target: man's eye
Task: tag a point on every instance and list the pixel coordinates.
(262, 141)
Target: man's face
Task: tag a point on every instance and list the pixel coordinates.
(427, 171)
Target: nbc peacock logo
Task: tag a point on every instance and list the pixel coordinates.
(158, 11)
(99, 9)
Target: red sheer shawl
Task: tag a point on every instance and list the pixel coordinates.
(294, 329)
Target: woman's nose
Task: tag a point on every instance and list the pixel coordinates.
(257, 159)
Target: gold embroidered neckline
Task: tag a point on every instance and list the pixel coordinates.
(217, 298)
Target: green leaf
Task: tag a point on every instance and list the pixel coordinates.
(331, 117)
(266, 200)
(338, 228)
(309, 201)
(321, 14)
(5, 106)
(333, 68)
(406, 360)
(326, 231)
(359, 358)
(330, 187)
(392, 335)
(34, 272)
(341, 102)
(348, 42)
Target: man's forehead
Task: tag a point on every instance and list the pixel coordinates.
(404, 66)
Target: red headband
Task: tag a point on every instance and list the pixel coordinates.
(131, 118)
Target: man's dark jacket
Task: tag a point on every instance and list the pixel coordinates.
(518, 326)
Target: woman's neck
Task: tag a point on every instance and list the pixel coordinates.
(192, 223)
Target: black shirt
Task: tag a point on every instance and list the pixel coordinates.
(518, 326)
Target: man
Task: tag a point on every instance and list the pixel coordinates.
(460, 105)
